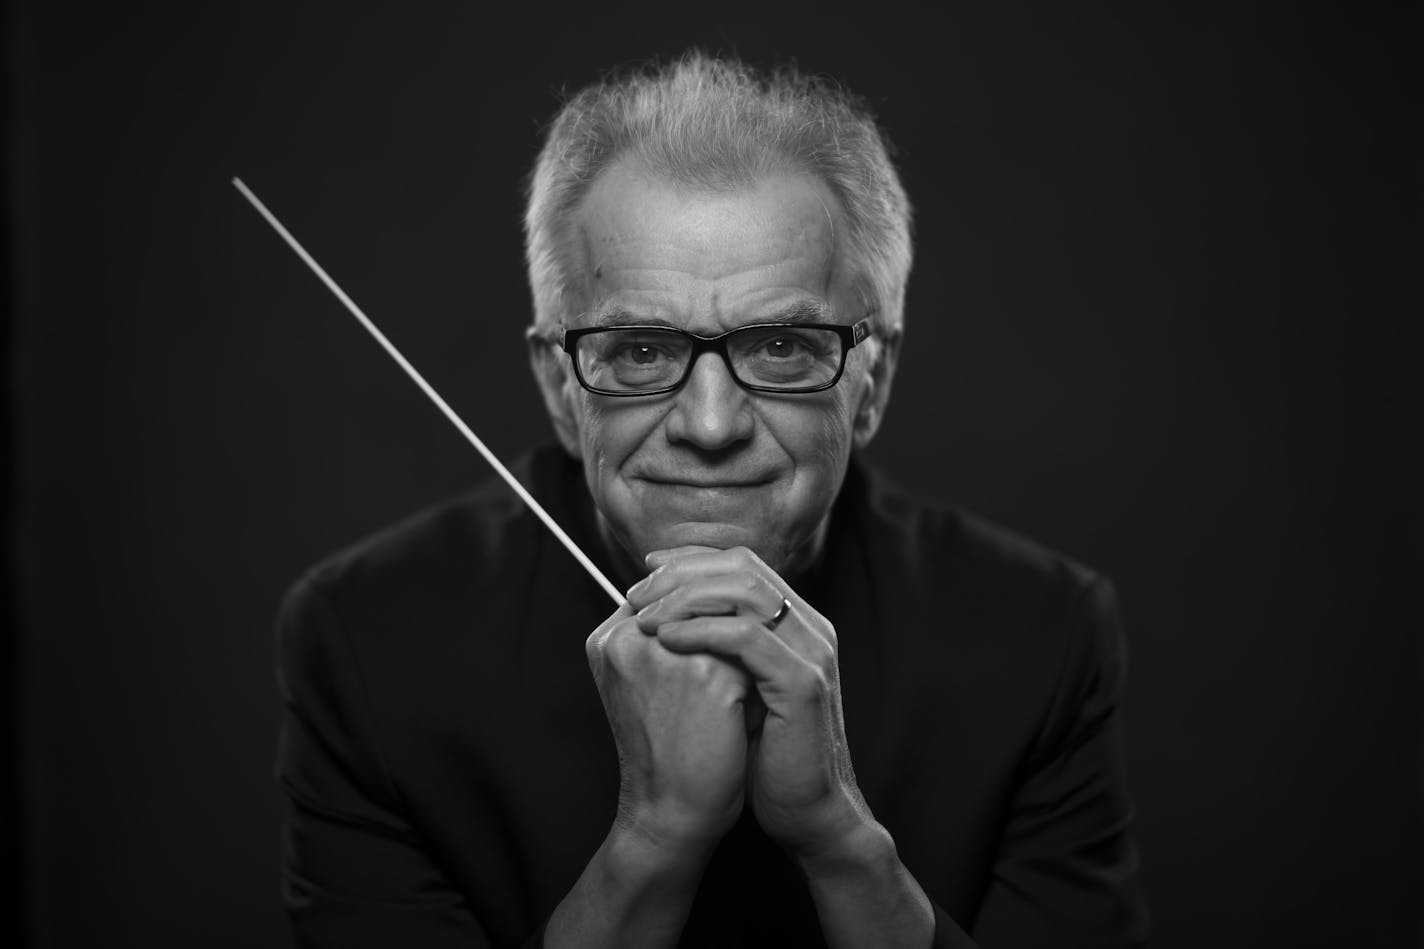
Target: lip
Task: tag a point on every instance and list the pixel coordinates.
(707, 485)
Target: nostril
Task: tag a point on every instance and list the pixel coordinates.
(711, 410)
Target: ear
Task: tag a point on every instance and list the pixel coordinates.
(551, 373)
(876, 395)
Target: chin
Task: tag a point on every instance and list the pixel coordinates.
(705, 534)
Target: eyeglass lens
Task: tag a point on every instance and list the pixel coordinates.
(634, 359)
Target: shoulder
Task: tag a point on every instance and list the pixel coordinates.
(985, 624)
(434, 600)
(459, 537)
(425, 620)
(944, 547)
(959, 590)
(452, 551)
(402, 593)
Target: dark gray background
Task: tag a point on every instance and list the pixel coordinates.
(1156, 321)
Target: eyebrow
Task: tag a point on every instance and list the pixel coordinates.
(802, 311)
(617, 316)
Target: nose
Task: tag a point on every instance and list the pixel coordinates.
(711, 411)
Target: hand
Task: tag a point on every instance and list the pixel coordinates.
(802, 786)
(679, 727)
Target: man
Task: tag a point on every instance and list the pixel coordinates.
(826, 715)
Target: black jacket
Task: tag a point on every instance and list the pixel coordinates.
(451, 771)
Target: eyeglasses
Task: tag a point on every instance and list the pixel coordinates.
(783, 358)
(763, 357)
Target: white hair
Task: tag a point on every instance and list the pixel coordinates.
(720, 124)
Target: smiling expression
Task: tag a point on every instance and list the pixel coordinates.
(712, 463)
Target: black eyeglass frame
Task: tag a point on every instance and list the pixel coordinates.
(850, 337)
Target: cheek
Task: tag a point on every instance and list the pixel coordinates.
(836, 435)
(833, 444)
(593, 432)
(589, 417)
(592, 438)
(835, 427)
(610, 431)
(815, 437)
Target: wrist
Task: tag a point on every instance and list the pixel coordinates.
(865, 896)
(649, 841)
(636, 890)
(864, 848)
(828, 832)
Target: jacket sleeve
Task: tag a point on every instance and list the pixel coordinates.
(355, 872)
(1066, 873)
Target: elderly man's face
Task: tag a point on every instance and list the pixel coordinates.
(713, 463)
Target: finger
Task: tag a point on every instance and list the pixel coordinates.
(745, 594)
(701, 556)
(803, 630)
(765, 655)
(685, 563)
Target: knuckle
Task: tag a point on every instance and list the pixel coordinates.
(821, 629)
(703, 668)
(622, 645)
(814, 681)
(602, 630)
(746, 559)
(749, 556)
(597, 642)
(723, 678)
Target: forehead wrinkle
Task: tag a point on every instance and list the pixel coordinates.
(714, 289)
(615, 314)
(803, 243)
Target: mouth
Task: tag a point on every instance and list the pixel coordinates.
(725, 509)
(707, 484)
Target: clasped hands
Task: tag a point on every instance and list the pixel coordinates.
(711, 709)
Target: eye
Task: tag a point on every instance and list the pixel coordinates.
(640, 354)
(781, 347)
